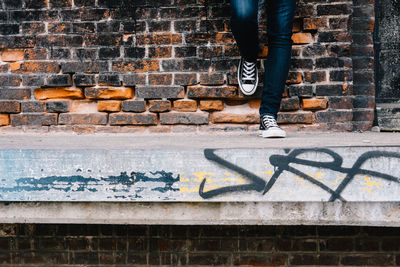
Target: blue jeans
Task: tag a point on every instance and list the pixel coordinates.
(244, 23)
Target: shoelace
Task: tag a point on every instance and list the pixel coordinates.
(249, 73)
(269, 121)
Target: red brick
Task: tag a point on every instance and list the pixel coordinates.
(159, 105)
(255, 103)
(211, 91)
(4, 119)
(110, 106)
(158, 39)
(160, 79)
(33, 119)
(211, 105)
(52, 93)
(184, 118)
(35, 67)
(10, 107)
(108, 93)
(121, 118)
(302, 38)
(225, 117)
(12, 55)
(185, 105)
(314, 103)
(87, 118)
(315, 23)
(138, 66)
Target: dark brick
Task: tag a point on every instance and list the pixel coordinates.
(134, 79)
(83, 119)
(10, 107)
(159, 105)
(61, 80)
(32, 106)
(109, 53)
(85, 258)
(184, 118)
(185, 79)
(260, 260)
(84, 79)
(314, 259)
(211, 79)
(33, 119)
(159, 92)
(109, 79)
(8, 29)
(15, 94)
(208, 259)
(211, 91)
(289, 104)
(371, 259)
(160, 79)
(57, 106)
(334, 116)
(132, 119)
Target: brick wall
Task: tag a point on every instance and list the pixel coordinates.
(169, 65)
(93, 245)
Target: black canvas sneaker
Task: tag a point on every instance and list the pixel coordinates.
(247, 77)
(269, 127)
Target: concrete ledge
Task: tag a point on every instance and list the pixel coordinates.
(250, 213)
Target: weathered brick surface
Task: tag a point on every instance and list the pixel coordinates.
(87, 119)
(155, 245)
(109, 106)
(185, 105)
(184, 118)
(121, 118)
(108, 93)
(51, 93)
(4, 119)
(134, 105)
(159, 105)
(180, 51)
(211, 105)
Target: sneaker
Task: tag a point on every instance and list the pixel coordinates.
(247, 77)
(269, 127)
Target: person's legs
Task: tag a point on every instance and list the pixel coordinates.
(244, 24)
(280, 15)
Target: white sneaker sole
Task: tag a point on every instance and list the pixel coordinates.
(272, 133)
(252, 91)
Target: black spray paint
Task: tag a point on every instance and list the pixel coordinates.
(282, 163)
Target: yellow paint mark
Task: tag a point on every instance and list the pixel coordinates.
(185, 189)
(370, 185)
(202, 175)
(319, 175)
